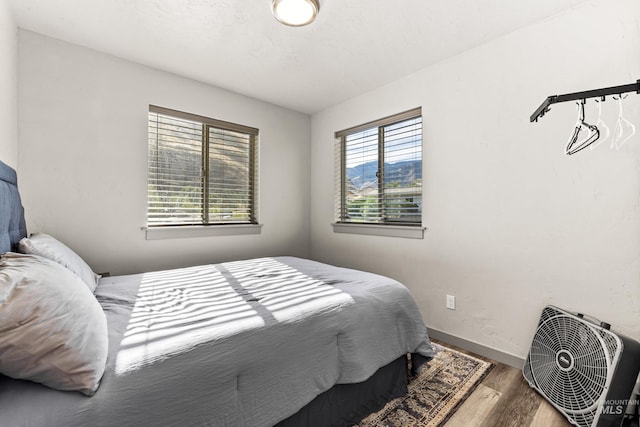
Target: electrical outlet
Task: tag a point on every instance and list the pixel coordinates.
(451, 302)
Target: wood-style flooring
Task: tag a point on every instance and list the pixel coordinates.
(504, 399)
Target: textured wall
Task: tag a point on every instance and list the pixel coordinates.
(83, 158)
(513, 223)
(8, 87)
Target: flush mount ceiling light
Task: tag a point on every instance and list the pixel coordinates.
(295, 13)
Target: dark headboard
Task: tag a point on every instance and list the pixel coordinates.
(12, 224)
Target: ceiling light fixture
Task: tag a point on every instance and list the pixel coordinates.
(295, 13)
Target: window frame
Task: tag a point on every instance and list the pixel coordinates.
(384, 228)
(206, 227)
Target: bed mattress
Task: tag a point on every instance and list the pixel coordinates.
(244, 343)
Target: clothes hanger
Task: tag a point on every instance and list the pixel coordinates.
(621, 124)
(592, 133)
(600, 124)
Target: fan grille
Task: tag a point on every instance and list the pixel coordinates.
(569, 363)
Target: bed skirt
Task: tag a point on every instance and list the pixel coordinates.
(346, 404)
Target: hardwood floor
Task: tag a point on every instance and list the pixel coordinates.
(504, 399)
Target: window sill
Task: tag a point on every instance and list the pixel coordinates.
(380, 230)
(158, 233)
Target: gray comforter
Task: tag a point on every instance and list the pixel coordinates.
(244, 343)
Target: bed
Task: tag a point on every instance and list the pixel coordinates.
(260, 342)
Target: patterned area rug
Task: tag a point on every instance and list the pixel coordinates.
(435, 394)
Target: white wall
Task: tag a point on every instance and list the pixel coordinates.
(83, 158)
(513, 222)
(8, 87)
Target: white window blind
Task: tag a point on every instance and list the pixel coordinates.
(201, 171)
(379, 167)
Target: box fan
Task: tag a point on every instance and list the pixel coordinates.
(582, 368)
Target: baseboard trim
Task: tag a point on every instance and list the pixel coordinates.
(482, 350)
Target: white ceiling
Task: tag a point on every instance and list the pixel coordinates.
(354, 45)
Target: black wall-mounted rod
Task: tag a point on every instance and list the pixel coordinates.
(596, 93)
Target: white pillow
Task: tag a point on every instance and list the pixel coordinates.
(52, 329)
(46, 246)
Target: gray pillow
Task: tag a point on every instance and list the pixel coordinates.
(49, 247)
(52, 329)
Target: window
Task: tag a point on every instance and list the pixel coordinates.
(380, 172)
(202, 171)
